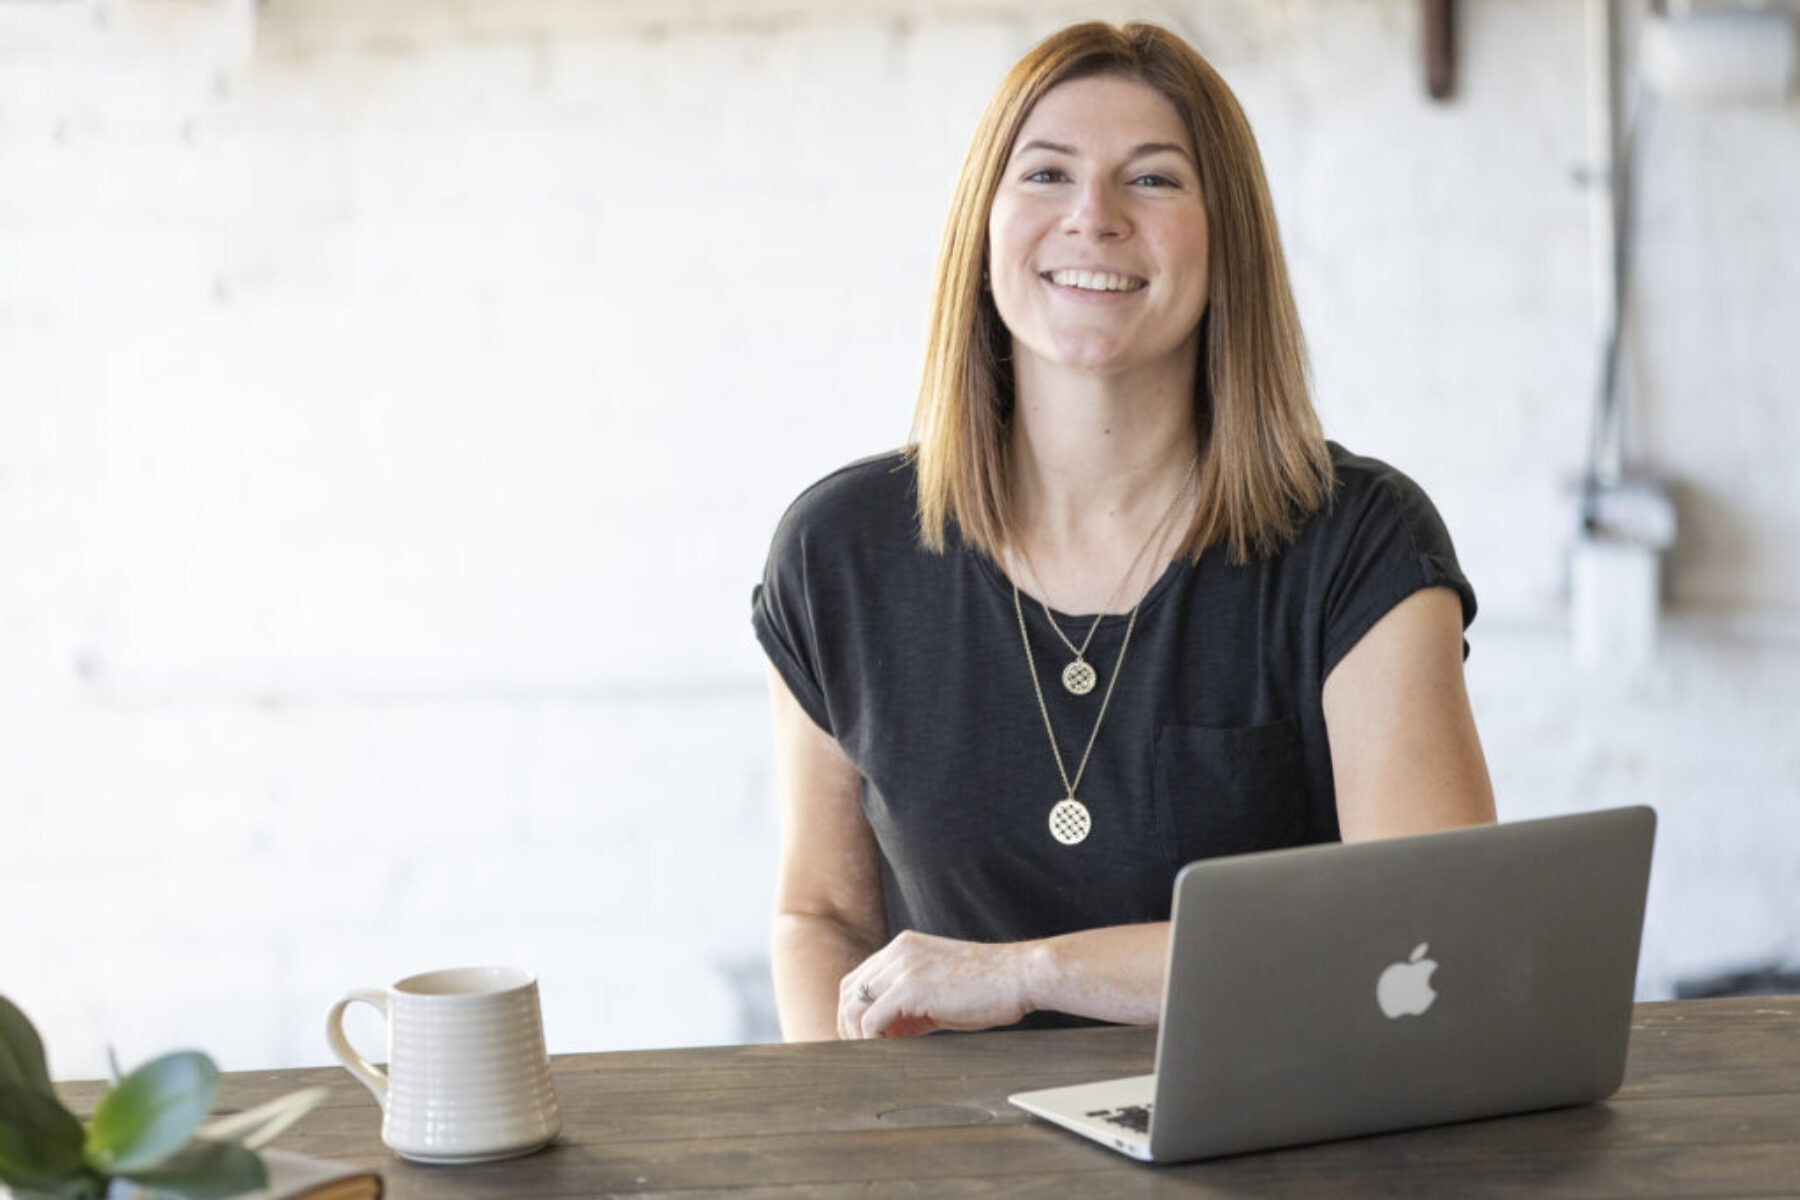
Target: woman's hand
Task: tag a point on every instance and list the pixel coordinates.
(918, 984)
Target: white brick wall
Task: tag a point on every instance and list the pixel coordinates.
(393, 417)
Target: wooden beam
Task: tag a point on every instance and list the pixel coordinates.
(1440, 48)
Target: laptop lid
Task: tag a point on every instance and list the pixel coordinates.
(1335, 990)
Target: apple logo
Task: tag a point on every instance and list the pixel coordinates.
(1404, 989)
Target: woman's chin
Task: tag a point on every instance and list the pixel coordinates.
(1107, 356)
(1088, 355)
(1103, 364)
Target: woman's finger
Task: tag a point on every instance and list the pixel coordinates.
(883, 1009)
(857, 991)
(865, 989)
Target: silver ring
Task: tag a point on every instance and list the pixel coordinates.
(863, 994)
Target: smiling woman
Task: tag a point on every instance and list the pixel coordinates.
(1097, 241)
(1117, 607)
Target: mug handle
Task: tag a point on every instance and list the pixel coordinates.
(366, 1072)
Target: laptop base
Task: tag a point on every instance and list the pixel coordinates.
(1082, 1108)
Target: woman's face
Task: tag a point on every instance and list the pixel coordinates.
(1097, 246)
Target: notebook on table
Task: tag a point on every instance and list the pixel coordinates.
(1337, 990)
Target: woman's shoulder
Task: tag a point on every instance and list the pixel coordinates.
(1363, 487)
(859, 499)
(871, 479)
(1357, 474)
(1382, 535)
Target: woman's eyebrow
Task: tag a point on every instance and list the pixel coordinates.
(1139, 151)
(1149, 148)
(1040, 144)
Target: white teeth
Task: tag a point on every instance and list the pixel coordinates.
(1096, 281)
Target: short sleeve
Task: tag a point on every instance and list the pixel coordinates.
(782, 613)
(1388, 542)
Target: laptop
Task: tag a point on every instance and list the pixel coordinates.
(1330, 991)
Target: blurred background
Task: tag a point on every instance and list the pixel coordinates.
(396, 401)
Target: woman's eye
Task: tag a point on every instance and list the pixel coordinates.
(1045, 175)
(1151, 179)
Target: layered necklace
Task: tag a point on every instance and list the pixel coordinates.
(1070, 820)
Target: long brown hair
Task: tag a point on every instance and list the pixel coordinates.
(1265, 467)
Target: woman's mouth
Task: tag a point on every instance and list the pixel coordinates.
(1095, 281)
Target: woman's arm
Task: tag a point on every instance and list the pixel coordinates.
(920, 983)
(829, 913)
(1404, 752)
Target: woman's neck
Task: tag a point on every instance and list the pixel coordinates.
(1097, 462)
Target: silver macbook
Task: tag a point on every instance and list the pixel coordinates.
(1337, 990)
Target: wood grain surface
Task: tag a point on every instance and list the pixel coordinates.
(1710, 1107)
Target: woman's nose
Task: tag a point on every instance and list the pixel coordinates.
(1097, 212)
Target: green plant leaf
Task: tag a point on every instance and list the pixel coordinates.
(205, 1170)
(21, 1050)
(86, 1186)
(151, 1112)
(40, 1143)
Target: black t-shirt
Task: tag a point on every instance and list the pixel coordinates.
(1213, 743)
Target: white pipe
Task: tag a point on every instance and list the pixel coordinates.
(1603, 212)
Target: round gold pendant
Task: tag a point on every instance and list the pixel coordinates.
(1070, 822)
(1078, 677)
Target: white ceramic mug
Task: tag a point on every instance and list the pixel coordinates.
(467, 1078)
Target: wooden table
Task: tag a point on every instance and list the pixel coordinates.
(1710, 1107)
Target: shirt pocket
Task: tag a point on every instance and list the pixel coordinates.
(1234, 790)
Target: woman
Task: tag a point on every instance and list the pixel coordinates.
(985, 799)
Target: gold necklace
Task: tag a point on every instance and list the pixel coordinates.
(1080, 677)
(1070, 821)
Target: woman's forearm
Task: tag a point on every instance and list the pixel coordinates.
(918, 983)
(1112, 974)
(809, 955)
